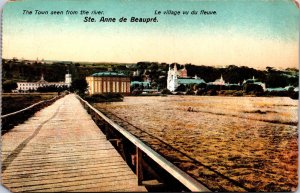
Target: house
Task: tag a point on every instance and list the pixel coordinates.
(108, 82)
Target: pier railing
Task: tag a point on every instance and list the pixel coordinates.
(141, 152)
(8, 121)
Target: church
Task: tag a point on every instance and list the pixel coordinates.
(179, 77)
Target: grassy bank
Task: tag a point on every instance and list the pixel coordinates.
(12, 102)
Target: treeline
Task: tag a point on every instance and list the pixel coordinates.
(141, 71)
(31, 71)
(157, 73)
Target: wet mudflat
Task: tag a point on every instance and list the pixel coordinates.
(227, 143)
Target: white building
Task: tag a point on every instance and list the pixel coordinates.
(179, 77)
(219, 81)
(26, 86)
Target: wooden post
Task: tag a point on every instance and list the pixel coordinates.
(107, 131)
(139, 165)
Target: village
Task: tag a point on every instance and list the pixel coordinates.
(153, 79)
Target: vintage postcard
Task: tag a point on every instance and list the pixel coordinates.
(158, 96)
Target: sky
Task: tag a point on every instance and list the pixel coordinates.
(256, 33)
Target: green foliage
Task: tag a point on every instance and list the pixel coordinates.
(136, 92)
(79, 85)
(12, 103)
(276, 80)
(9, 85)
(279, 93)
(253, 88)
(238, 93)
(201, 92)
(190, 92)
(294, 95)
(212, 92)
(181, 88)
(201, 86)
(108, 97)
(157, 72)
(179, 93)
(166, 91)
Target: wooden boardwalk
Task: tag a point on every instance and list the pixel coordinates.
(61, 149)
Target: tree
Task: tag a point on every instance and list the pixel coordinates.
(212, 92)
(201, 86)
(294, 95)
(276, 80)
(166, 91)
(253, 88)
(181, 88)
(270, 69)
(9, 85)
(79, 85)
(190, 92)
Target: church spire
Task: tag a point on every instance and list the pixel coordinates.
(175, 67)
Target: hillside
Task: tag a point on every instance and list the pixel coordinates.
(156, 72)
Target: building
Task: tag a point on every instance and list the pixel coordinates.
(33, 86)
(280, 89)
(108, 82)
(219, 82)
(255, 81)
(179, 77)
(144, 84)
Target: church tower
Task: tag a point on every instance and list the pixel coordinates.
(183, 72)
(175, 68)
(68, 79)
(169, 79)
(172, 81)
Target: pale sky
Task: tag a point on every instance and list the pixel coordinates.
(255, 33)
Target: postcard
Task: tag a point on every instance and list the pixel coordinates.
(158, 96)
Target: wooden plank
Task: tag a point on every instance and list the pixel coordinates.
(126, 185)
(68, 153)
(101, 183)
(69, 180)
(67, 173)
(60, 165)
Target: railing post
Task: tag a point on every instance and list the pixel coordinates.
(107, 131)
(139, 165)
